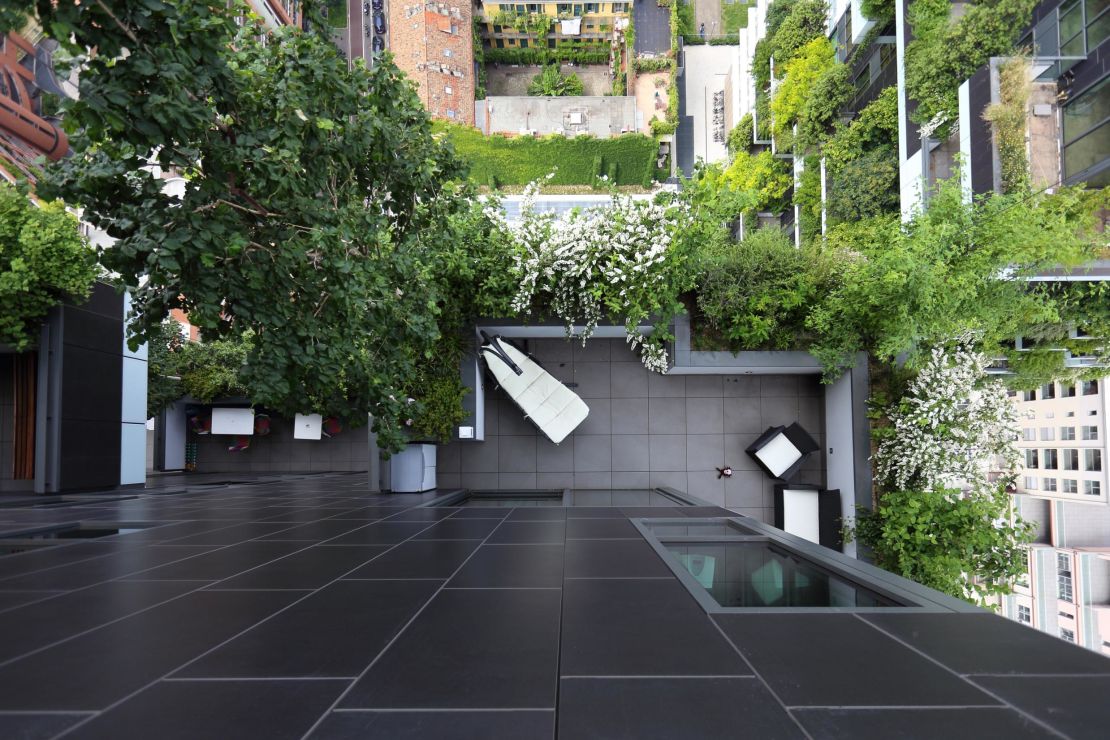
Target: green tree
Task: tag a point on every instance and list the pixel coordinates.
(802, 73)
(964, 546)
(948, 271)
(553, 83)
(865, 186)
(44, 260)
(315, 195)
(756, 294)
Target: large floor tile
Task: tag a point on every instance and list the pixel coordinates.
(640, 628)
(514, 532)
(336, 632)
(370, 725)
(222, 563)
(459, 529)
(985, 643)
(419, 559)
(596, 529)
(613, 559)
(381, 533)
(234, 534)
(1075, 705)
(489, 649)
(512, 566)
(918, 724)
(658, 709)
(37, 625)
(186, 710)
(307, 569)
(318, 531)
(119, 564)
(30, 726)
(837, 660)
(101, 667)
(538, 514)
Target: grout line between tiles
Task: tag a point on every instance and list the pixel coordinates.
(360, 710)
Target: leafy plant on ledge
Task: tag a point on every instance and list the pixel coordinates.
(553, 83)
(44, 260)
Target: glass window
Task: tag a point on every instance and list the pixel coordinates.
(1048, 390)
(1071, 459)
(620, 7)
(1050, 460)
(1031, 459)
(1092, 488)
(593, 7)
(1070, 486)
(1086, 138)
(1067, 433)
(1090, 387)
(1048, 434)
(563, 7)
(1067, 390)
(1087, 152)
(1090, 432)
(1068, 635)
(1048, 484)
(1092, 460)
(1029, 434)
(1028, 395)
(1030, 483)
(1098, 30)
(1024, 614)
(578, 9)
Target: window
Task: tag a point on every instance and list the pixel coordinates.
(1028, 395)
(447, 52)
(1071, 459)
(578, 10)
(1068, 635)
(535, 8)
(1031, 459)
(562, 8)
(1051, 460)
(1086, 120)
(1092, 488)
(1090, 387)
(1024, 614)
(1092, 412)
(1067, 391)
(593, 7)
(1048, 434)
(1063, 576)
(1070, 486)
(1048, 390)
(1067, 433)
(1048, 484)
(447, 89)
(524, 43)
(1030, 483)
(1029, 434)
(1090, 432)
(620, 7)
(1092, 460)
(1070, 414)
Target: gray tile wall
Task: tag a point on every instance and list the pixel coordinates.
(644, 430)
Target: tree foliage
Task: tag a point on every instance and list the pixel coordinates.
(948, 271)
(802, 72)
(553, 83)
(44, 260)
(314, 195)
(964, 546)
(823, 104)
(865, 186)
(756, 294)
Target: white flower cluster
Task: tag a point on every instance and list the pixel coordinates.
(608, 260)
(952, 424)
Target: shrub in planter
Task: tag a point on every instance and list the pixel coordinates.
(740, 138)
(865, 186)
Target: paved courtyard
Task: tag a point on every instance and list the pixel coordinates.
(644, 430)
(707, 69)
(505, 79)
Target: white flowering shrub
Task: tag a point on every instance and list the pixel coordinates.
(616, 261)
(950, 425)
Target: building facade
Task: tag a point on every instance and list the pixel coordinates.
(547, 25)
(433, 44)
(1064, 443)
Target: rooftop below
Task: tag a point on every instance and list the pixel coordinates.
(307, 607)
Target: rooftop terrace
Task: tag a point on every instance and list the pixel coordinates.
(307, 607)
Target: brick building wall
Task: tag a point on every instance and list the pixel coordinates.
(432, 43)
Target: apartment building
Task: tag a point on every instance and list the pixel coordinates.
(1066, 592)
(1064, 447)
(433, 44)
(525, 25)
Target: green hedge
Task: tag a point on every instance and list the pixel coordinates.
(520, 160)
(583, 54)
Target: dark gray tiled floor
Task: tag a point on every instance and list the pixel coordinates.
(386, 634)
(644, 430)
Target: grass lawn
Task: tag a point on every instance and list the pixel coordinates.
(520, 160)
(734, 16)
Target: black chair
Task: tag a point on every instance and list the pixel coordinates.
(828, 524)
(797, 437)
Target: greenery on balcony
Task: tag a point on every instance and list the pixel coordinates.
(535, 24)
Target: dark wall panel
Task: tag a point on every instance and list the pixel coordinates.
(982, 151)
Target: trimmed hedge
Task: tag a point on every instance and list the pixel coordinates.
(583, 54)
(520, 160)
